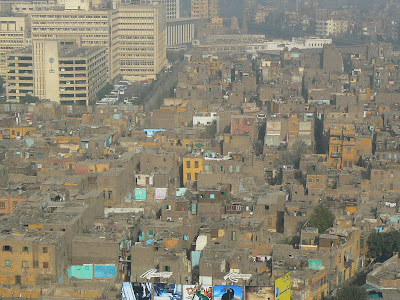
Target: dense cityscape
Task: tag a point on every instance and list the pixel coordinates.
(200, 149)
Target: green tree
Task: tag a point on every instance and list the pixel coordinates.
(293, 156)
(1, 84)
(104, 91)
(382, 246)
(350, 292)
(210, 132)
(321, 218)
(29, 99)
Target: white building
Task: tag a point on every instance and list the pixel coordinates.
(172, 7)
(180, 32)
(201, 119)
(279, 45)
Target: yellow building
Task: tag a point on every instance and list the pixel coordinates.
(139, 42)
(13, 132)
(14, 35)
(205, 9)
(25, 260)
(192, 166)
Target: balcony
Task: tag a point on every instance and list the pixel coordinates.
(336, 154)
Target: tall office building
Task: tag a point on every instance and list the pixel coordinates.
(172, 7)
(134, 34)
(205, 9)
(90, 28)
(59, 71)
(14, 35)
(139, 41)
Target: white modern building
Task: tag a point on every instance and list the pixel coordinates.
(279, 45)
(180, 32)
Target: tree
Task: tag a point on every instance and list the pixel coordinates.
(1, 84)
(382, 246)
(28, 99)
(293, 156)
(351, 292)
(321, 218)
(104, 91)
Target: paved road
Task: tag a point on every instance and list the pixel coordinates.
(161, 88)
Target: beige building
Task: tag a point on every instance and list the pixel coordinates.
(139, 42)
(205, 9)
(331, 27)
(172, 6)
(134, 35)
(89, 28)
(51, 70)
(14, 35)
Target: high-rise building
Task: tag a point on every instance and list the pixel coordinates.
(14, 35)
(53, 70)
(90, 28)
(172, 7)
(139, 41)
(205, 9)
(134, 35)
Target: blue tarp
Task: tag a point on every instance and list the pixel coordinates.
(105, 271)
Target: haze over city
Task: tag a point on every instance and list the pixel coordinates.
(200, 149)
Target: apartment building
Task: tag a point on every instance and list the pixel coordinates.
(27, 6)
(205, 9)
(19, 78)
(14, 35)
(50, 70)
(172, 7)
(139, 42)
(331, 27)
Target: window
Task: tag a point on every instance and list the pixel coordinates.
(8, 263)
(25, 249)
(185, 237)
(110, 194)
(24, 264)
(45, 265)
(230, 169)
(237, 169)
(196, 164)
(2, 205)
(36, 264)
(189, 176)
(150, 232)
(45, 250)
(203, 220)
(348, 149)
(168, 207)
(7, 248)
(310, 180)
(212, 196)
(207, 168)
(188, 164)
(167, 268)
(317, 180)
(233, 235)
(266, 207)
(196, 176)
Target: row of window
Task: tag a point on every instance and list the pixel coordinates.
(7, 248)
(3, 204)
(25, 264)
